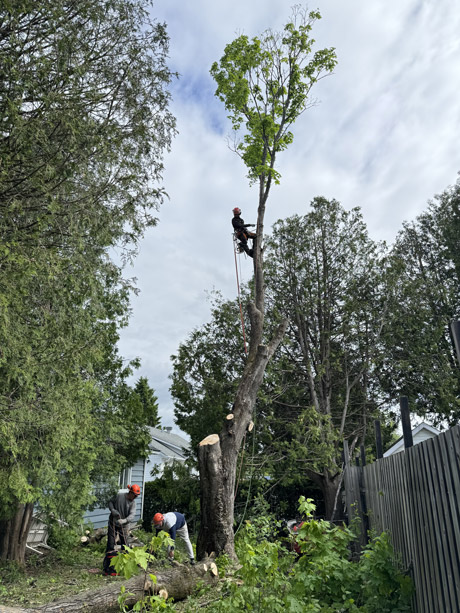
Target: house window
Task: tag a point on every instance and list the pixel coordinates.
(124, 479)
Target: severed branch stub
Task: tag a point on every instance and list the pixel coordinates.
(212, 439)
(250, 426)
(230, 423)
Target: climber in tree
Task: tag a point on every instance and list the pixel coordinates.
(241, 232)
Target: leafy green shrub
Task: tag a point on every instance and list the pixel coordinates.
(384, 590)
(323, 579)
(62, 538)
(273, 579)
(128, 564)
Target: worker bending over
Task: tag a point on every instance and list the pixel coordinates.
(174, 523)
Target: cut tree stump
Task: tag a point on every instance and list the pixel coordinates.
(176, 582)
(93, 537)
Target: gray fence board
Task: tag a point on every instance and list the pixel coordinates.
(414, 496)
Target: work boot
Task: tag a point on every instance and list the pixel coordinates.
(192, 562)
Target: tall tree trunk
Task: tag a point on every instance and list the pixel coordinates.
(14, 532)
(218, 454)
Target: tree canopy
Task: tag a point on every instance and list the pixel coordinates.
(419, 359)
(330, 279)
(265, 84)
(85, 121)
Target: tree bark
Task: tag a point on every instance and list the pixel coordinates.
(178, 582)
(14, 532)
(218, 460)
(328, 484)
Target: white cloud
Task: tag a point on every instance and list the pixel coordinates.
(384, 137)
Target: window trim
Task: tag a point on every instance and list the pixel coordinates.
(124, 478)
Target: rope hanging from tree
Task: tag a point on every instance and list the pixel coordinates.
(238, 274)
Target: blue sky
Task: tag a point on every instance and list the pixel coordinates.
(383, 137)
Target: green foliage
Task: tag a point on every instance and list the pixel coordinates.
(147, 604)
(85, 122)
(205, 373)
(176, 488)
(265, 85)
(145, 404)
(330, 280)
(323, 579)
(384, 591)
(128, 563)
(62, 538)
(419, 359)
(223, 563)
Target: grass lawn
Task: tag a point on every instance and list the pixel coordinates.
(51, 576)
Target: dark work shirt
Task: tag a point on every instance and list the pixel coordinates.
(238, 223)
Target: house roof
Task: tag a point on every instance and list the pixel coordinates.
(168, 444)
(417, 431)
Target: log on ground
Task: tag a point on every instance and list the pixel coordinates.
(176, 582)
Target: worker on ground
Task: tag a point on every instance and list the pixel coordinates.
(174, 523)
(122, 511)
(241, 232)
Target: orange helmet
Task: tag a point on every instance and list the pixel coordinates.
(135, 489)
(236, 211)
(158, 518)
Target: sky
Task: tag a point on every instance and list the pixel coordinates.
(384, 136)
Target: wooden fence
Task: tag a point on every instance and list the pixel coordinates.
(414, 495)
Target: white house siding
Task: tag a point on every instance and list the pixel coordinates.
(420, 433)
(423, 435)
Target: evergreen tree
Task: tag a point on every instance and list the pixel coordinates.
(85, 121)
(330, 280)
(147, 403)
(419, 359)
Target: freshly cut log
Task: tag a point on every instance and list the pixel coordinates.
(176, 582)
(93, 537)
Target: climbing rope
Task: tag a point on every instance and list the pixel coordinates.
(239, 294)
(251, 475)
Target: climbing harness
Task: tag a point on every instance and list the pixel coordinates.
(235, 250)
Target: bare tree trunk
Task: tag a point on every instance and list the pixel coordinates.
(218, 454)
(14, 532)
(329, 485)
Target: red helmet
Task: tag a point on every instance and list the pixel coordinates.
(236, 211)
(135, 489)
(158, 518)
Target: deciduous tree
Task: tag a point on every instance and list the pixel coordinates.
(265, 84)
